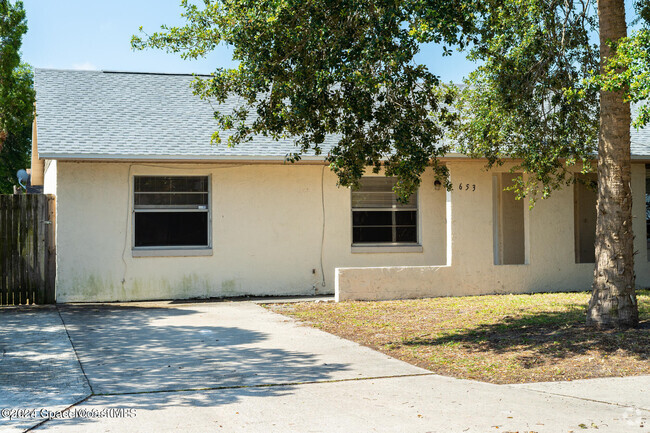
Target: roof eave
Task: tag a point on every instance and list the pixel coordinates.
(185, 158)
(217, 158)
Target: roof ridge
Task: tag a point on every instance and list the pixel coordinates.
(154, 73)
(122, 72)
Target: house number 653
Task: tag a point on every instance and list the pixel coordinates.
(467, 187)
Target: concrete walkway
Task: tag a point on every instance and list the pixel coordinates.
(234, 366)
(38, 366)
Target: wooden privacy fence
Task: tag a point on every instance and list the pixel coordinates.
(27, 254)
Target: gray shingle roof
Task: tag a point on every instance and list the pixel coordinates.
(122, 115)
(640, 138)
(95, 114)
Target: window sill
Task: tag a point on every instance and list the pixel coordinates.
(171, 252)
(386, 249)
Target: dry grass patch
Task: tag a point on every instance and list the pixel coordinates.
(497, 339)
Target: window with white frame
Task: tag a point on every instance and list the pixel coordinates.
(171, 212)
(379, 218)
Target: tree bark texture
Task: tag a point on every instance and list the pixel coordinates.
(613, 300)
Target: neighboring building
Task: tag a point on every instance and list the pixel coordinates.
(146, 208)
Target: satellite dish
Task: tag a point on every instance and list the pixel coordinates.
(23, 178)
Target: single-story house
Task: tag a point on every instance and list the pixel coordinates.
(147, 209)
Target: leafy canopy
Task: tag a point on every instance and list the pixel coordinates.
(346, 69)
(16, 96)
(629, 68)
(317, 68)
(528, 100)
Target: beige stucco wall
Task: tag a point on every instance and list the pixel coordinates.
(36, 166)
(267, 227)
(550, 247)
(50, 177)
(267, 223)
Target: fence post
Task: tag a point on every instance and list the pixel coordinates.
(4, 275)
(50, 251)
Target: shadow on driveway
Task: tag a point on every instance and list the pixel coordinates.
(38, 367)
(197, 358)
(125, 349)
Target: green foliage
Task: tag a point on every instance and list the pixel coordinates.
(527, 101)
(338, 68)
(16, 96)
(643, 10)
(346, 69)
(629, 68)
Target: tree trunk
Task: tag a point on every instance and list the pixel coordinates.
(613, 299)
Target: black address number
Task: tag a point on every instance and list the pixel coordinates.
(467, 187)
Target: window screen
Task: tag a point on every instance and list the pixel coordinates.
(377, 216)
(171, 211)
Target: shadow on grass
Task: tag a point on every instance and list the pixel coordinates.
(547, 335)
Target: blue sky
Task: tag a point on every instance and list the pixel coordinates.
(76, 34)
(91, 34)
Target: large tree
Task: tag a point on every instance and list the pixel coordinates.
(346, 68)
(16, 96)
(613, 300)
(531, 100)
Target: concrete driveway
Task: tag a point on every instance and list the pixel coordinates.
(38, 366)
(234, 366)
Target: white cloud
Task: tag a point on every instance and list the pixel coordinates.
(86, 66)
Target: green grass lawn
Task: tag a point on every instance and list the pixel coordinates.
(498, 339)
